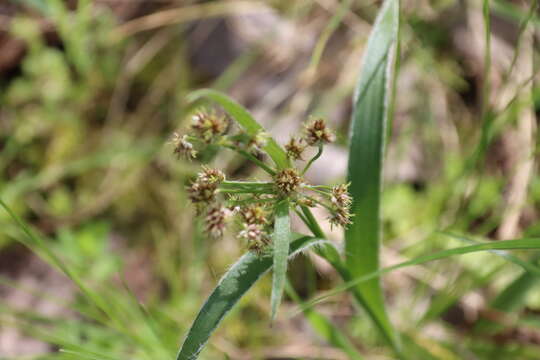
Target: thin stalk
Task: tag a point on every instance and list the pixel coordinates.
(252, 158)
(313, 159)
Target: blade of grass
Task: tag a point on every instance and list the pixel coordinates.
(232, 286)
(519, 244)
(281, 239)
(245, 120)
(368, 129)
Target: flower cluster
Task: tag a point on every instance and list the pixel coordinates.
(250, 204)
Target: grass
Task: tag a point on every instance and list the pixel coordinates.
(89, 187)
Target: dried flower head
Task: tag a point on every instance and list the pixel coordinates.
(316, 133)
(182, 147)
(340, 196)
(215, 221)
(202, 192)
(209, 175)
(340, 217)
(295, 148)
(254, 214)
(287, 181)
(208, 126)
(257, 239)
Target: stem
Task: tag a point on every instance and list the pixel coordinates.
(312, 223)
(252, 158)
(317, 155)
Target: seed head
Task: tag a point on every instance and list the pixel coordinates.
(215, 221)
(254, 214)
(295, 148)
(212, 176)
(287, 181)
(202, 192)
(340, 217)
(182, 147)
(257, 239)
(316, 132)
(340, 196)
(208, 126)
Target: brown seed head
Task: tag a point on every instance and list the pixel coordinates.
(340, 217)
(295, 148)
(182, 147)
(340, 196)
(215, 221)
(257, 239)
(316, 132)
(208, 126)
(209, 175)
(287, 181)
(202, 192)
(254, 214)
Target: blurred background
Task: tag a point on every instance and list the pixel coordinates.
(91, 92)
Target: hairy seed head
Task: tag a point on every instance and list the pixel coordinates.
(182, 147)
(254, 214)
(209, 175)
(208, 126)
(340, 196)
(295, 148)
(215, 221)
(287, 181)
(316, 132)
(202, 192)
(340, 217)
(257, 239)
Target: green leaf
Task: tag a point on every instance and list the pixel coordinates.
(281, 239)
(232, 286)
(245, 120)
(367, 140)
(519, 244)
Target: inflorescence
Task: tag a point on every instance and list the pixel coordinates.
(250, 204)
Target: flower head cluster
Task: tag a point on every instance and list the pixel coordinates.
(341, 205)
(208, 126)
(315, 133)
(252, 203)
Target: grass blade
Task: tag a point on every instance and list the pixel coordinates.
(367, 140)
(245, 120)
(232, 286)
(519, 244)
(281, 239)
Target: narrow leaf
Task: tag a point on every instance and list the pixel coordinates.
(519, 244)
(281, 239)
(245, 120)
(232, 286)
(367, 139)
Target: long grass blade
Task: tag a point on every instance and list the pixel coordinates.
(368, 130)
(232, 286)
(519, 244)
(245, 120)
(281, 239)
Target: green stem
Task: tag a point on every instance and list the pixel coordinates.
(252, 158)
(317, 155)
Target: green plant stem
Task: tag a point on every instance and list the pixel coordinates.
(313, 159)
(252, 158)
